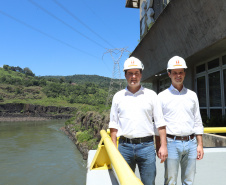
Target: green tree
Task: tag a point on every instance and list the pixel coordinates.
(6, 67)
(62, 80)
(28, 72)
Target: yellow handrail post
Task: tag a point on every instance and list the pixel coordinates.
(101, 160)
(107, 155)
(124, 173)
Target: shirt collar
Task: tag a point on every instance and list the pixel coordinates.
(172, 88)
(139, 91)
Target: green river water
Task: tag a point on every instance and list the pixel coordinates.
(37, 152)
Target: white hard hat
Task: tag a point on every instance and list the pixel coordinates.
(176, 62)
(133, 63)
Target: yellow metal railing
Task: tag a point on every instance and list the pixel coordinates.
(215, 130)
(107, 154)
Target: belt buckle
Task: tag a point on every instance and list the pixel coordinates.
(136, 140)
(184, 138)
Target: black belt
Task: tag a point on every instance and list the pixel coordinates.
(182, 138)
(137, 140)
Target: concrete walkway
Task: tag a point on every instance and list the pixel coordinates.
(211, 170)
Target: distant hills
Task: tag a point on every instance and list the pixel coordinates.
(101, 81)
(19, 85)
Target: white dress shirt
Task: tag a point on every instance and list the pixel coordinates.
(132, 114)
(181, 111)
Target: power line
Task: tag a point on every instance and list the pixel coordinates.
(116, 74)
(47, 35)
(63, 22)
(101, 20)
(76, 18)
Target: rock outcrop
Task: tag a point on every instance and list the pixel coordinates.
(30, 110)
(91, 120)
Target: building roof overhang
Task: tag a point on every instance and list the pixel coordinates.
(192, 29)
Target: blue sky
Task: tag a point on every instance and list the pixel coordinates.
(66, 37)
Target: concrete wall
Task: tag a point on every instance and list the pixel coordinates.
(192, 29)
(212, 140)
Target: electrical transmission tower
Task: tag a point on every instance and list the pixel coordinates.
(116, 82)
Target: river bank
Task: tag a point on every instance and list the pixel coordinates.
(82, 147)
(30, 112)
(85, 129)
(18, 119)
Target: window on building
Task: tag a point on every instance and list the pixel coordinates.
(214, 63)
(224, 74)
(214, 89)
(204, 115)
(224, 59)
(215, 113)
(200, 68)
(211, 87)
(201, 91)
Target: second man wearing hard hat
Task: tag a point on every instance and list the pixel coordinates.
(132, 113)
(184, 127)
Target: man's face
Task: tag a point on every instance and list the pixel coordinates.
(133, 77)
(177, 76)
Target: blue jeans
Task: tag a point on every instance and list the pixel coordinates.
(185, 154)
(143, 155)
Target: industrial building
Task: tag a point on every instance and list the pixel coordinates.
(194, 30)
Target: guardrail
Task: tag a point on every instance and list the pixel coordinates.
(100, 161)
(215, 130)
(107, 155)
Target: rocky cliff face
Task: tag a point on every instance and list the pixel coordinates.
(25, 110)
(91, 123)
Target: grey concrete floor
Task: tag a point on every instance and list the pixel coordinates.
(211, 170)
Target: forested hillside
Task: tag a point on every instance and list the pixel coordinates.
(101, 81)
(19, 85)
(22, 86)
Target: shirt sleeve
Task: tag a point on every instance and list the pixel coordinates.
(198, 128)
(114, 114)
(157, 113)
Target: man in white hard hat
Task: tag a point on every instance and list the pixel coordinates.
(132, 113)
(184, 127)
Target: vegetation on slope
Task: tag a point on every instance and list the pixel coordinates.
(17, 86)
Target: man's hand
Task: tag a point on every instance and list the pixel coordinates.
(162, 153)
(161, 145)
(200, 151)
(113, 133)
